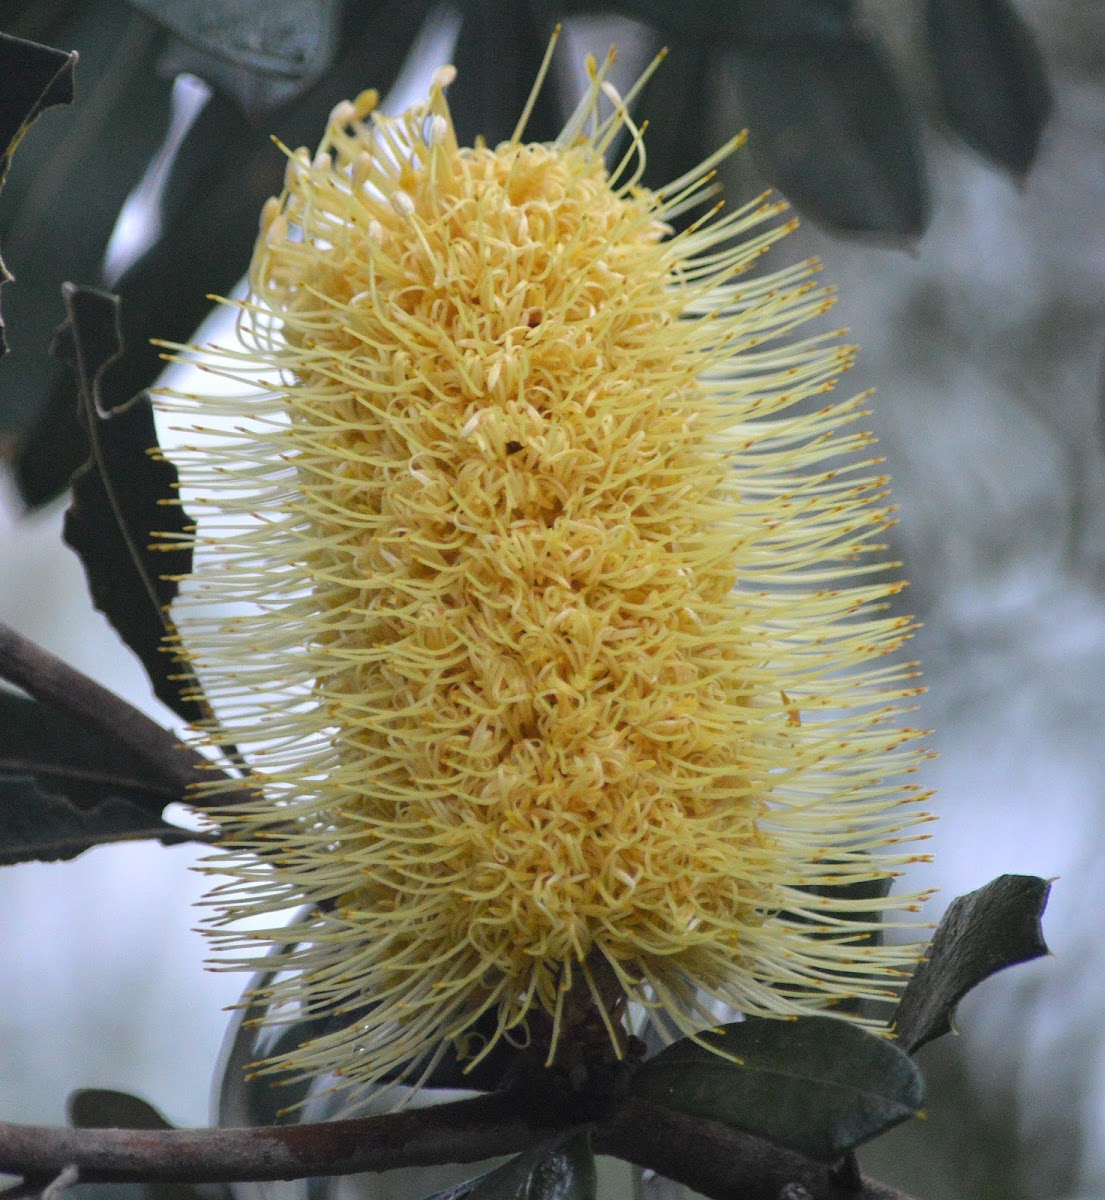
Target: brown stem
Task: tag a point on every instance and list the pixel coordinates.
(53, 681)
(721, 1162)
(704, 1155)
(467, 1131)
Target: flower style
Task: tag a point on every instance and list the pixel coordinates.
(561, 632)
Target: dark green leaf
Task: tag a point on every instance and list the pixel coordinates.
(123, 499)
(105, 1108)
(65, 788)
(816, 1085)
(239, 1100)
(829, 127)
(244, 1097)
(680, 135)
(488, 1074)
(34, 78)
(247, 1097)
(736, 23)
(261, 53)
(67, 759)
(560, 1169)
(982, 933)
(990, 78)
(38, 827)
(61, 202)
(497, 58)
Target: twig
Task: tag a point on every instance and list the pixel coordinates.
(466, 1131)
(65, 1179)
(707, 1156)
(53, 681)
(723, 1163)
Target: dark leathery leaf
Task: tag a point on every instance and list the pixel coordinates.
(991, 83)
(123, 499)
(830, 128)
(816, 1085)
(497, 57)
(983, 932)
(67, 758)
(38, 827)
(107, 1108)
(221, 175)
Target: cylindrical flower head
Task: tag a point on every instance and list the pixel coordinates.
(561, 642)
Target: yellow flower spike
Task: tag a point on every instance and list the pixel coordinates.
(559, 637)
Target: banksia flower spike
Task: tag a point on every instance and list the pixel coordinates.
(560, 647)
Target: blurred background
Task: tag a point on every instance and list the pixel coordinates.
(948, 161)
